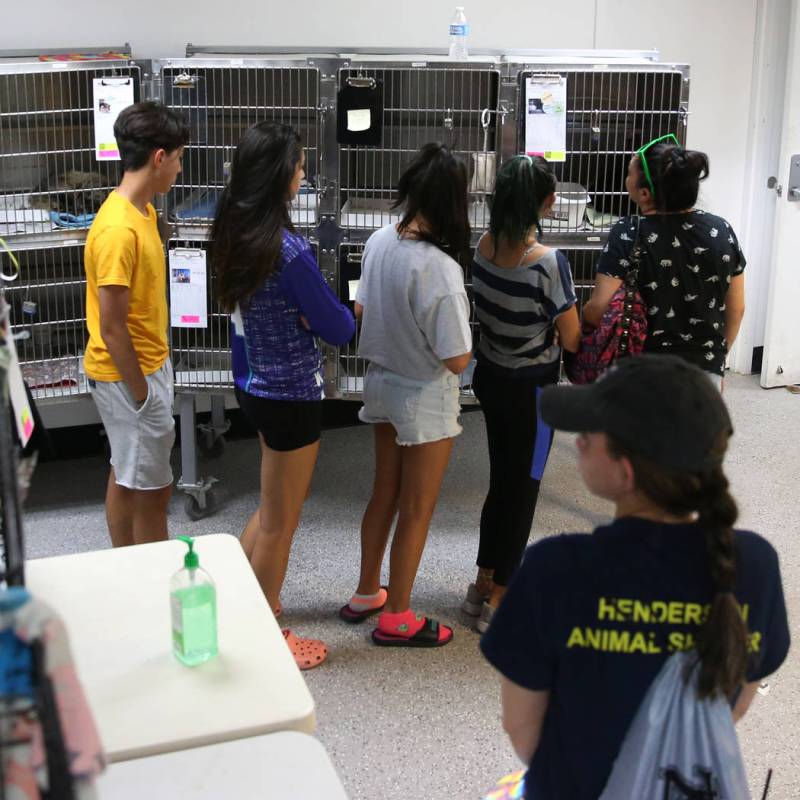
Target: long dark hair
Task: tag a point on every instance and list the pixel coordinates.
(434, 186)
(676, 174)
(722, 645)
(253, 211)
(522, 185)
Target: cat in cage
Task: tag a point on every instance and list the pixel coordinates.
(75, 192)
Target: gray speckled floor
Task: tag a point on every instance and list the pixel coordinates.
(375, 705)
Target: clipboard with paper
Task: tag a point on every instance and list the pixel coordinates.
(188, 288)
(546, 116)
(110, 96)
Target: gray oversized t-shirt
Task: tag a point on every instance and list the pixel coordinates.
(416, 311)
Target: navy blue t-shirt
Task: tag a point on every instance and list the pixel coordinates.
(593, 617)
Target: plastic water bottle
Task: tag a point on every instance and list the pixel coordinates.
(459, 33)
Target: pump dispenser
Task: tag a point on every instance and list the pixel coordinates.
(193, 598)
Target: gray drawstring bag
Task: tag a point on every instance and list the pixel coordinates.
(679, 747)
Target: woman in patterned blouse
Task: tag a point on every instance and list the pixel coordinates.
(692, 270)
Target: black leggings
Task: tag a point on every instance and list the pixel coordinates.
(519, 443)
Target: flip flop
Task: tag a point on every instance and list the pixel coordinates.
(355, 617)
(308, 653)
(427, 636)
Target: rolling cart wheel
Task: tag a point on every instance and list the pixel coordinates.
(193, 510)
(210, 445)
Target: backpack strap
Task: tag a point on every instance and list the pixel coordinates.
(631, 282)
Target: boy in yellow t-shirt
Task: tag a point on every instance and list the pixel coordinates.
(127, 356)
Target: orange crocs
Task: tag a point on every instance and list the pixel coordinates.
(308, 653)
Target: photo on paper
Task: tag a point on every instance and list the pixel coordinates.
(103, 106)
(181, 275)
(535, 105)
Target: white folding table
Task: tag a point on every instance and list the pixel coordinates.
(115, 604)
(278, 766)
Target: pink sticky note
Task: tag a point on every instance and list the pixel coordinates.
(190, 318)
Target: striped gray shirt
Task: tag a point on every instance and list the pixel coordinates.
(516, 310)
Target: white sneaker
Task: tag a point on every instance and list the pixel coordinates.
(473, 602)
(485, 619)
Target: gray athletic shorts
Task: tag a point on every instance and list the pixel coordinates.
(141, 439)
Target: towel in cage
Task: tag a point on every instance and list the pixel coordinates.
(26, 765)
(63, 220)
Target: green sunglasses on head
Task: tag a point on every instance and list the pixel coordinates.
(641, 153)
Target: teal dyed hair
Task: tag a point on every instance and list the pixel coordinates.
(522, 185)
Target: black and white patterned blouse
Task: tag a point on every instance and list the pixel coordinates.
(688, 261)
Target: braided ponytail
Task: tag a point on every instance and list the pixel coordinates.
(722, 644)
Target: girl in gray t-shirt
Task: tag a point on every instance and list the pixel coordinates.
(415, 334)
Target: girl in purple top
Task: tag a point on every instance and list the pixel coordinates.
(269, 281)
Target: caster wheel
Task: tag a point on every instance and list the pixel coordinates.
(193, 510)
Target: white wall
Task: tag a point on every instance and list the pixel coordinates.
(716, 38)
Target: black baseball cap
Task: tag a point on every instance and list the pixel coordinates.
(658, 406)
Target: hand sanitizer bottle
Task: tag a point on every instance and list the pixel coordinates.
(193, 598)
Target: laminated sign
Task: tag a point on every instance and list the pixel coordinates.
(188, 303)
(546, 117)
(111, 95)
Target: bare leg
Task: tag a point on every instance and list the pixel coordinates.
(285, 478)
(484, 582)
(250, 534)
(381, 509)
(423, 467)
(120, 504)
(150, 515)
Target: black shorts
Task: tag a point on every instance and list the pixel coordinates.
(283, 424)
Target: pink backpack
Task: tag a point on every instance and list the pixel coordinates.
(622, 330)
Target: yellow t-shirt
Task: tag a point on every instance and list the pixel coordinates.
(123, 248)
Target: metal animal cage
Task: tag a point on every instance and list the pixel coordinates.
(610, 113)
(422, 103)
(51, 186)
(221, 99)
(48, 307)
(348, 368)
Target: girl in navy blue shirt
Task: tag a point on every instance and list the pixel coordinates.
(590, 619)
(268, 278)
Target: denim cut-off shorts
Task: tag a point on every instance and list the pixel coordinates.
(421, 411)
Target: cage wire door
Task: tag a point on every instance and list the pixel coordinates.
(610, 113)
(457, 105)
(51, 186)
(221, 100)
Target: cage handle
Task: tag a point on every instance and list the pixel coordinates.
(361, 83)
(547, 77)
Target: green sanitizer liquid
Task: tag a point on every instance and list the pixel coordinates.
(193, 601)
